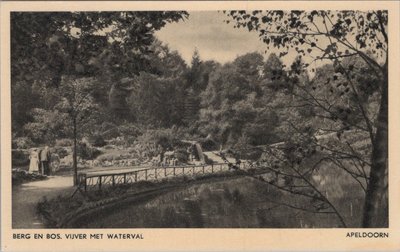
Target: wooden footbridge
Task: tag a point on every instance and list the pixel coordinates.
(99, 179)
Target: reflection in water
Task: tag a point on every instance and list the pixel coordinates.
(236, 203)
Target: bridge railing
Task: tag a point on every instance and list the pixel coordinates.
(109, 178)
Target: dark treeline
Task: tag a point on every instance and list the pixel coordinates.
(104, 74)
(250, 101)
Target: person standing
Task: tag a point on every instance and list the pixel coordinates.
(34, 161)
(45, 160)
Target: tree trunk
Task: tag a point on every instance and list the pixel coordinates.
(75, 159)
(376, 199)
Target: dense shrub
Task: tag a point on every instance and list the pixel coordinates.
(125, 141)
(20, 157)
(61, 151)
(181, 155)
(167, 138)
(111, 133)
(208, 144)
(65, 142)
(87, 152)
(250, 154)
(21, 176)
(97, 140)
(129, 130)
(22, 143)
(109, 130)
(112, 156)
(208, 160)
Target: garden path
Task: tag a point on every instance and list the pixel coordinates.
(26, 196)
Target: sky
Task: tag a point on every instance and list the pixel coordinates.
(213, 38)
(216, 40)
(219, 41)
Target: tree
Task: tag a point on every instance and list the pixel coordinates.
(231, 104)
(157, 101)
(108, 45)
(276, 77)
(165, 62)
(47, 126)
(197, 78)
(334, 36)
(77, 102)
(69, 41)
(74, 112)
(194, 75)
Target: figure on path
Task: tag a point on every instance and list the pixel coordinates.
(34, 161)
(44, 160)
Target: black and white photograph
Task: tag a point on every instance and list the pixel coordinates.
(265, 119)
(199, 126)
(256, 118)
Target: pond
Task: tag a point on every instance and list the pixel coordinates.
(233, 203)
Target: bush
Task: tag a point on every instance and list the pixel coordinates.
(125, 141)
(129, 130)
(21, 176)
(251, 154)
(97, 141)
(208, 160)
(181, 155)
(167, 138)
(65, 142)
(22, 143)
(109, 130)
(110, 157)
(61, 152)
(87, 152)
(208, 144)
(111, 133)
(20, 158)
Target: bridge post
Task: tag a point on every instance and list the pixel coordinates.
(145, 174)
(194, 167)
(212, 168)
(155, 173)
(174, 171)
(183, 170)
(165, 172)
(135, 176)
(203, 169)
(85, 183)
(113, 180)
(124, 178)
(100, 177)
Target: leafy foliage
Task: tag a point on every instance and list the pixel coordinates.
(338, 36)
(87, 152)
(67, 42)
(157, 101)
(48, 45)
